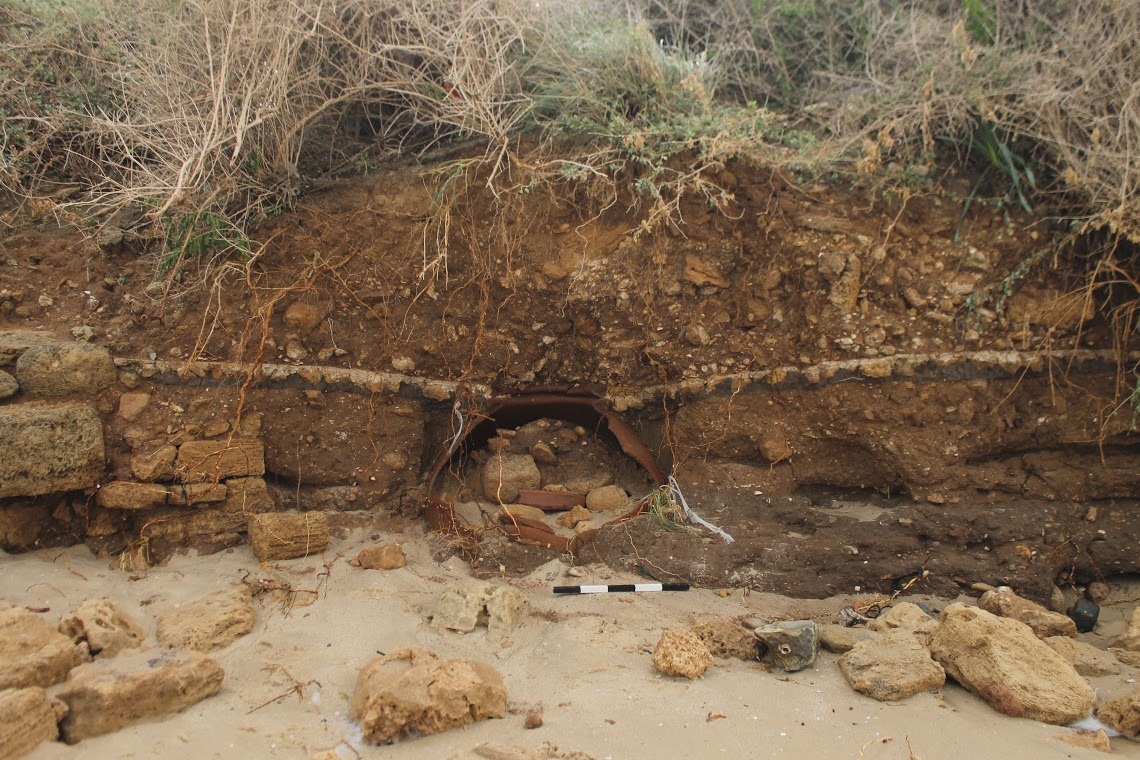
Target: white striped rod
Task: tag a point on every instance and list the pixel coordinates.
(613, 588)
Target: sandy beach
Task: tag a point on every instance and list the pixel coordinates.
(584, 661)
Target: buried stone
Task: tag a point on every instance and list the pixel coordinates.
(789, 645)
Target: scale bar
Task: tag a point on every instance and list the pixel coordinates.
(617, 588)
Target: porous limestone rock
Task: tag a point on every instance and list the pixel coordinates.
(840, 638)
(386, 557)
(1004, 602)
(907, 617)
(105, 628)
(681, 653)
(157, 464)
(61, 369)
(412, 692)
(1097, 740)
(891, 667)
(469, 602)
(214, 621)
(504, 475)
(725, 638)
(210, 460)
(27, 717)
(105, 695)
(1085, 658)
(607, 499)
(1002, 661)
(286, 535)
(574, 516)
(49, 449)
(8, 385)
(1130, 639)
(32, 653)
(1122, 714)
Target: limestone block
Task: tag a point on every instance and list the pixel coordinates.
(1003, 661)
(13, 343)
(891, 667)
(27, 717)
(607, 499)
(61, 369)
(725, 637)
(190, 494)
(49, 449)
(210, 460)
(8, 385)
(412, 692)
(32, 653)
(1085, 658)
(840, 638)
(1122, 714)
(105, 628)
(1003, 602)
(154, 465)
(505, 475)
(907, 617)
(106, 695)
(469, 602)
(285, 535)
(123, 494)
(212, 622)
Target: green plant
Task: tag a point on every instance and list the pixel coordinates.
(1014, 169)
(662, 510)
(198, 235)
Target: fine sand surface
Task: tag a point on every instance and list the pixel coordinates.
(583, 659)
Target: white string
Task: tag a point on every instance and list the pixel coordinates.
(675, 490)
(458, 433)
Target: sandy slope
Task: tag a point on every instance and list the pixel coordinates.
(584, 659)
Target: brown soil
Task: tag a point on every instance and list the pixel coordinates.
(853, 479)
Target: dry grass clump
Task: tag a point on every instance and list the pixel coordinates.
(189, 123)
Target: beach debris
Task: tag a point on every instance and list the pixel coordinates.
(27, 717)
(385, 557)
(105, 628)
(1084, 614)
(1097, 740)
(850, 617)
(891, 667)
(681, 653)
(467, 603)
(105, 695)
(211, 622)
(1002, 661)
(504, 475)
(907, 617)
(413, 692)
(32, 653)
(1085, 658)
(789, 645)
(287, 535)
(1122, 714)
(1002, 601)
(840, 638)
(1130, 639)
(725, 638)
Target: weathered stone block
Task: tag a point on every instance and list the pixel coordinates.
(8, 385)
(210, 460)
(386, 557)
(13, 343)
(1002, 661)
(891, 667)
(507, 474)
(106, 695)
(1003, 602)
(412, 692)
(61, 369)
(32, 653)
(105, 628)
(49, 449)
(285, 535)
(212, 622)
(127, 495)
(27, 717)
(466, 603)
